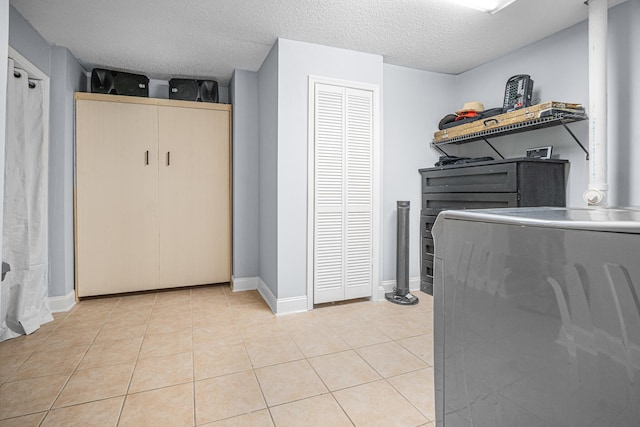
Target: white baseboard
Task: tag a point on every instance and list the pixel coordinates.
(388, 285)
(292, 305)
(245, 283)
(63, 303)
(282, 305)
(267, 295)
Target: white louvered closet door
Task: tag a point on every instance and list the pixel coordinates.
(343, 219)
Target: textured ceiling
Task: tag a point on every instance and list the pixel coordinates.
(210, 38)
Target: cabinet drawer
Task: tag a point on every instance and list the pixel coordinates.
(426, 278)
(426, 267)
(427, 286)
(430, 212)
(427, 270)
(488, 178)
(427, 247)
(426, 224)
(451, 201)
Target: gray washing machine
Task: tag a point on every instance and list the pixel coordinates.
(537, 317)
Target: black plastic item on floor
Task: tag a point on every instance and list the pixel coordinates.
(401, 294)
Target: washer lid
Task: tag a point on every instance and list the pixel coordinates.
(616, 220)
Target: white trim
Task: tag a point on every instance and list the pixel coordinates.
(388, 285)
(311, 161)
(283, 305)
(414, 283)
(292, 305)
(377, 179)
(267, 295)
(63, 303)
(25, 64)
(245, 284)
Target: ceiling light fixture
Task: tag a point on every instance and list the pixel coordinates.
(489, 6)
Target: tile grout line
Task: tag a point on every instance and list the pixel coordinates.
(79, 362)
(135, 364)
(406, 399)
(397, 341)
(255, 376)
(33, 351)
(193, 350)
(330, 392)
(193, 360)
(248, 320)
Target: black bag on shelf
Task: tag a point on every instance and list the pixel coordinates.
(455, 160)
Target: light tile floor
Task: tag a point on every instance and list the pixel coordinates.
(207, 356)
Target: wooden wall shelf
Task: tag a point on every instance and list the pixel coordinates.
(554, 118)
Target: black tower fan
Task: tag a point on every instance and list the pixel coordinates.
(401, 294)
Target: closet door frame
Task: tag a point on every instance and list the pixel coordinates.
(376, 184)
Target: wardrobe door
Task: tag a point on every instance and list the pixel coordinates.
(116, 200)
(194, 196)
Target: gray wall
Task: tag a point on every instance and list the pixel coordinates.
(4, 51)
(26, 40)
(223, 94)
(413, 103)
(268, 169)
(243, 92)
(66, 76)
(624, 93)
(297, 61)
(559, 67)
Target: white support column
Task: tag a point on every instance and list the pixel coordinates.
(596, 194)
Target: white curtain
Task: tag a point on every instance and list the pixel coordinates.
(24, 244)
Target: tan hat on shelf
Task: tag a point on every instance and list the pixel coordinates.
(471, 106)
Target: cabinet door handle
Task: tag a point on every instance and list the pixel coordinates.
(168, 158)
(146, 157)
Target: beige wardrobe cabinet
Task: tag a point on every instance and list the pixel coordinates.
(153, 194)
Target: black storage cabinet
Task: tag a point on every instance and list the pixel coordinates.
(505, 183)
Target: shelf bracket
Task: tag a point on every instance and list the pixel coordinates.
(574, 137)
(440, 150)
(493, 148)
